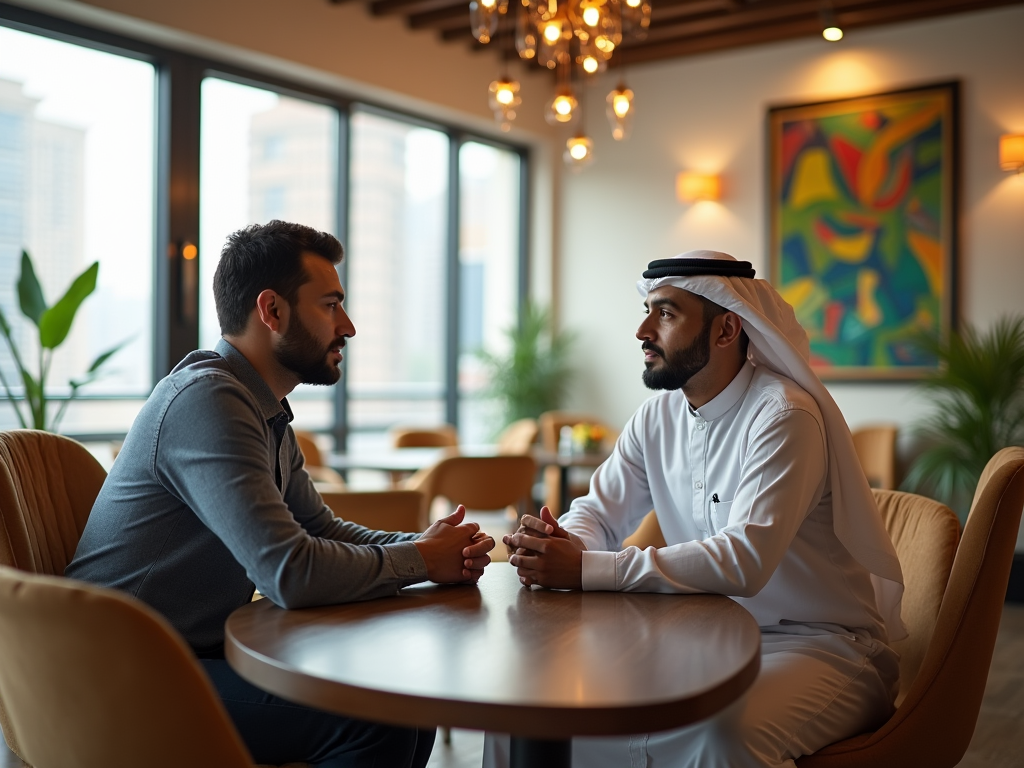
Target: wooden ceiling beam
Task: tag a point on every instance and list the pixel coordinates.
(806, 11)
(690, 43)
(687, 27)
(763, 14)
(888, 12)
(389, 7)
(441, 17)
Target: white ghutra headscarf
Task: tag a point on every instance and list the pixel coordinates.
(778, 342)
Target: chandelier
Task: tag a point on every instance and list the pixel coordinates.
(576, 38)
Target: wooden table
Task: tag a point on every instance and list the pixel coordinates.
(542, 665)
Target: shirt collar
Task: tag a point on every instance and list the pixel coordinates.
(270, 406)
(721, 403)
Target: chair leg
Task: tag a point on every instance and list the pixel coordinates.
(446, 735)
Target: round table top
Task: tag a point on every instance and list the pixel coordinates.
(501, 657)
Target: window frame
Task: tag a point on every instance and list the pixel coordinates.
(179, 77)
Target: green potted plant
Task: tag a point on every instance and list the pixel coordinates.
(978, 393)
(53, 324)
(532, 376)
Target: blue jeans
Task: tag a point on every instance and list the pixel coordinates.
(277, 731)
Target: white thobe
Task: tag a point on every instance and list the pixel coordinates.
(741, 490)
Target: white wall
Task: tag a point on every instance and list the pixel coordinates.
(708, 113)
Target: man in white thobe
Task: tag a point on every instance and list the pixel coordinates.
(751, 470)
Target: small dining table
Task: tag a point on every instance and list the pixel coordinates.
(408, 460)
(542, 665)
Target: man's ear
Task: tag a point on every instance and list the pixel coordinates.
(732, 328)
(272, 310)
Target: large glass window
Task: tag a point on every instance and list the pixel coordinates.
(397, 290)
(432, 276)
(76, 186)
(489, 275)
(264, 156)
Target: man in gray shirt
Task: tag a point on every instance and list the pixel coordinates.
(209, 498)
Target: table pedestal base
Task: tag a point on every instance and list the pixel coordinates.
(541, 753)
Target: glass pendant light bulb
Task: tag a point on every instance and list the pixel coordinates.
(832, 34)
(633, 3)
(620, 112)
(591, 16)
(562, 108)
(483, 19)
(552, 31)
(590, 65)
(503, 99)
(579, 152)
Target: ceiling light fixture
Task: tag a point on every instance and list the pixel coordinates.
(830, 28)
(559, 34)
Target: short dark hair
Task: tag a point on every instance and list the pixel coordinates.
(711, 310)
(262, 257)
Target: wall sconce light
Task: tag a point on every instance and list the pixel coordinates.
(1011, 152)
(693, 187)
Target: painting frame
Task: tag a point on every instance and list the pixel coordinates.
(863, 233)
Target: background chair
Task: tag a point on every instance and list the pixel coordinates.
(443, 436)
(647, 534)
(48, 484)
(95, 679)
(876, 449)
(518, 437)
(325, 478)
(381, 510)
(935, 721)
(550, 424)
(478, 482)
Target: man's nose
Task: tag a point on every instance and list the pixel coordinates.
(345, 326)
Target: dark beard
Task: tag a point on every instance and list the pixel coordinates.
(302, 354)
(681, 366)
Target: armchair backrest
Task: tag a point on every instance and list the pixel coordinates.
(94, 679)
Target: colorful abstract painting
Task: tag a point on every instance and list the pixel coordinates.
(863, 227)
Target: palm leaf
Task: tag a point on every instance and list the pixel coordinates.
(979, 409)
(532, 377)
(30, 293)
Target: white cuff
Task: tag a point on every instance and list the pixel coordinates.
(599, 571)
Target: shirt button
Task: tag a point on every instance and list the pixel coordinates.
(701, 424)
(698, 485)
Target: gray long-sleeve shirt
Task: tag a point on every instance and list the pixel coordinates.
(208, 497)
